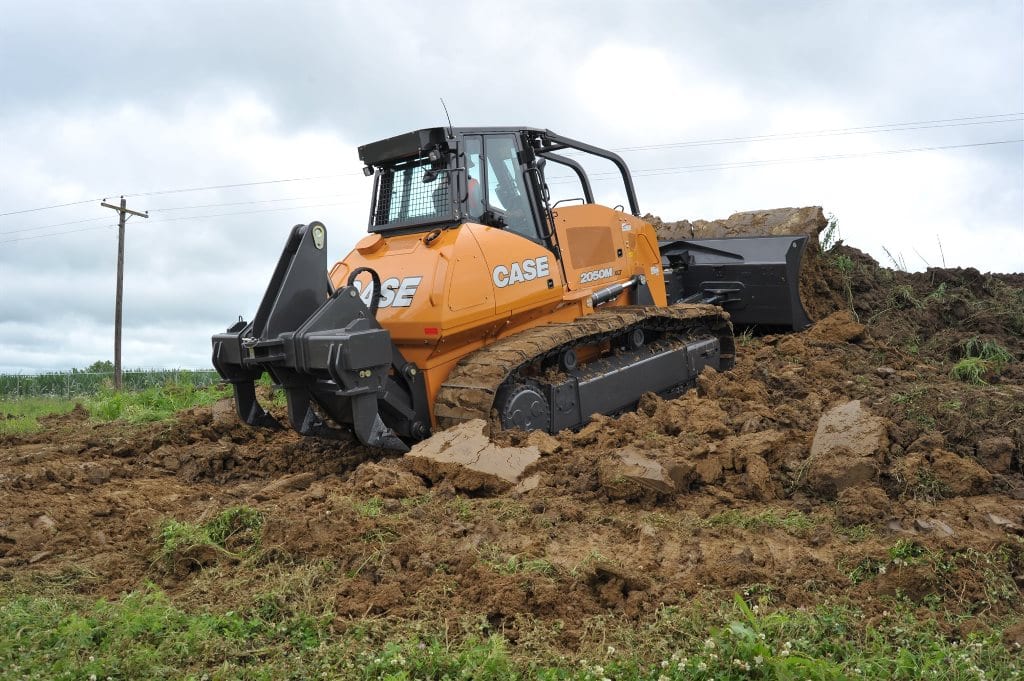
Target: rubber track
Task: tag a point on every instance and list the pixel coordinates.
(472, 385)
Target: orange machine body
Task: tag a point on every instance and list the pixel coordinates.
(447, 293)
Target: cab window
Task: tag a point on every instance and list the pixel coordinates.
(504, 190)
(474, 177)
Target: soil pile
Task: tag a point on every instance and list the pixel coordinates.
(828, 464)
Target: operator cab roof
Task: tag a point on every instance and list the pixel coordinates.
(413, 144)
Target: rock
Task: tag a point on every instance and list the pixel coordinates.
(996, 453)
(630, 475)
(37, 557)
(289, 483)
(809, 220)
(167, 456)
(838, 327)
(388, 482)
(545, 443)
(885, 372)
(1004, 523)
(896, 525)
(97, 473)
(848, 447)
(927, 442)
(759, 478)
(527, 484)
(317, 492)
(223, 413)
(44, 523)
(684, 475)
(933, 525)
(709, 470)
(862, 504)
(466, 457)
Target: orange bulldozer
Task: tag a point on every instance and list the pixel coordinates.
(474, 296)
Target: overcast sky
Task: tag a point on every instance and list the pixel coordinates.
(103, 98)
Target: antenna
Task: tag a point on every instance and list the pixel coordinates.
(451, 133)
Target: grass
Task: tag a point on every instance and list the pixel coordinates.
(21, 416)
(967, 580)
(234, 531)
(78, 383)
(844, 265)
(794, 523)
(514, 564)
(157, 403)
(916, 403)
(981, 362)
(146, 635)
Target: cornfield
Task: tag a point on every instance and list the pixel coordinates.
(76, 383)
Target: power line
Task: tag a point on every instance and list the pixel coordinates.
(57, 224)
(174, 208)
(43, 236)
(246, 203)
(868, 129)
(882, 127)
(187, 189)
(674, 170)
(598, 177)
(57, 205)
(251, 212)
(186, 217)
(241, 184)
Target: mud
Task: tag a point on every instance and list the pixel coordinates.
(792, 475)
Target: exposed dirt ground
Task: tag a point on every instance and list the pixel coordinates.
(764, 495)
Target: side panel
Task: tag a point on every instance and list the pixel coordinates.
(523, 274)
(601, 246)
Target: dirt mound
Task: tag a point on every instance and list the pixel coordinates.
(843, 462)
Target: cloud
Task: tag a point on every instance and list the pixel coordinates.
(196, 94)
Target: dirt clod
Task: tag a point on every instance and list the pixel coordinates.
(465, 456)
(819, 455)
(848, 447)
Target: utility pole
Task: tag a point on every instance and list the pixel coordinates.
(123, 212)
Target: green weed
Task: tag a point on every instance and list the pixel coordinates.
(982, 361)
(856, 533)
(371, 508)
(794, 523)
(916, 408)
(145, 635)
(235, 529)
(902, 297)
(21, 416)
(153, 404)
(830, 235)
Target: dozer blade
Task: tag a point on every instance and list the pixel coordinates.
(755, 279)
(324, 347)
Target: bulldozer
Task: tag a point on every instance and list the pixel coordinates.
(474, 295)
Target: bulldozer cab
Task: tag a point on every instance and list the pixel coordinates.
(444, 177)
(439, 178)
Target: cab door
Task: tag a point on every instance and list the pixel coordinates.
(524, 272)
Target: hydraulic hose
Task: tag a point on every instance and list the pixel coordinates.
(375, 296)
